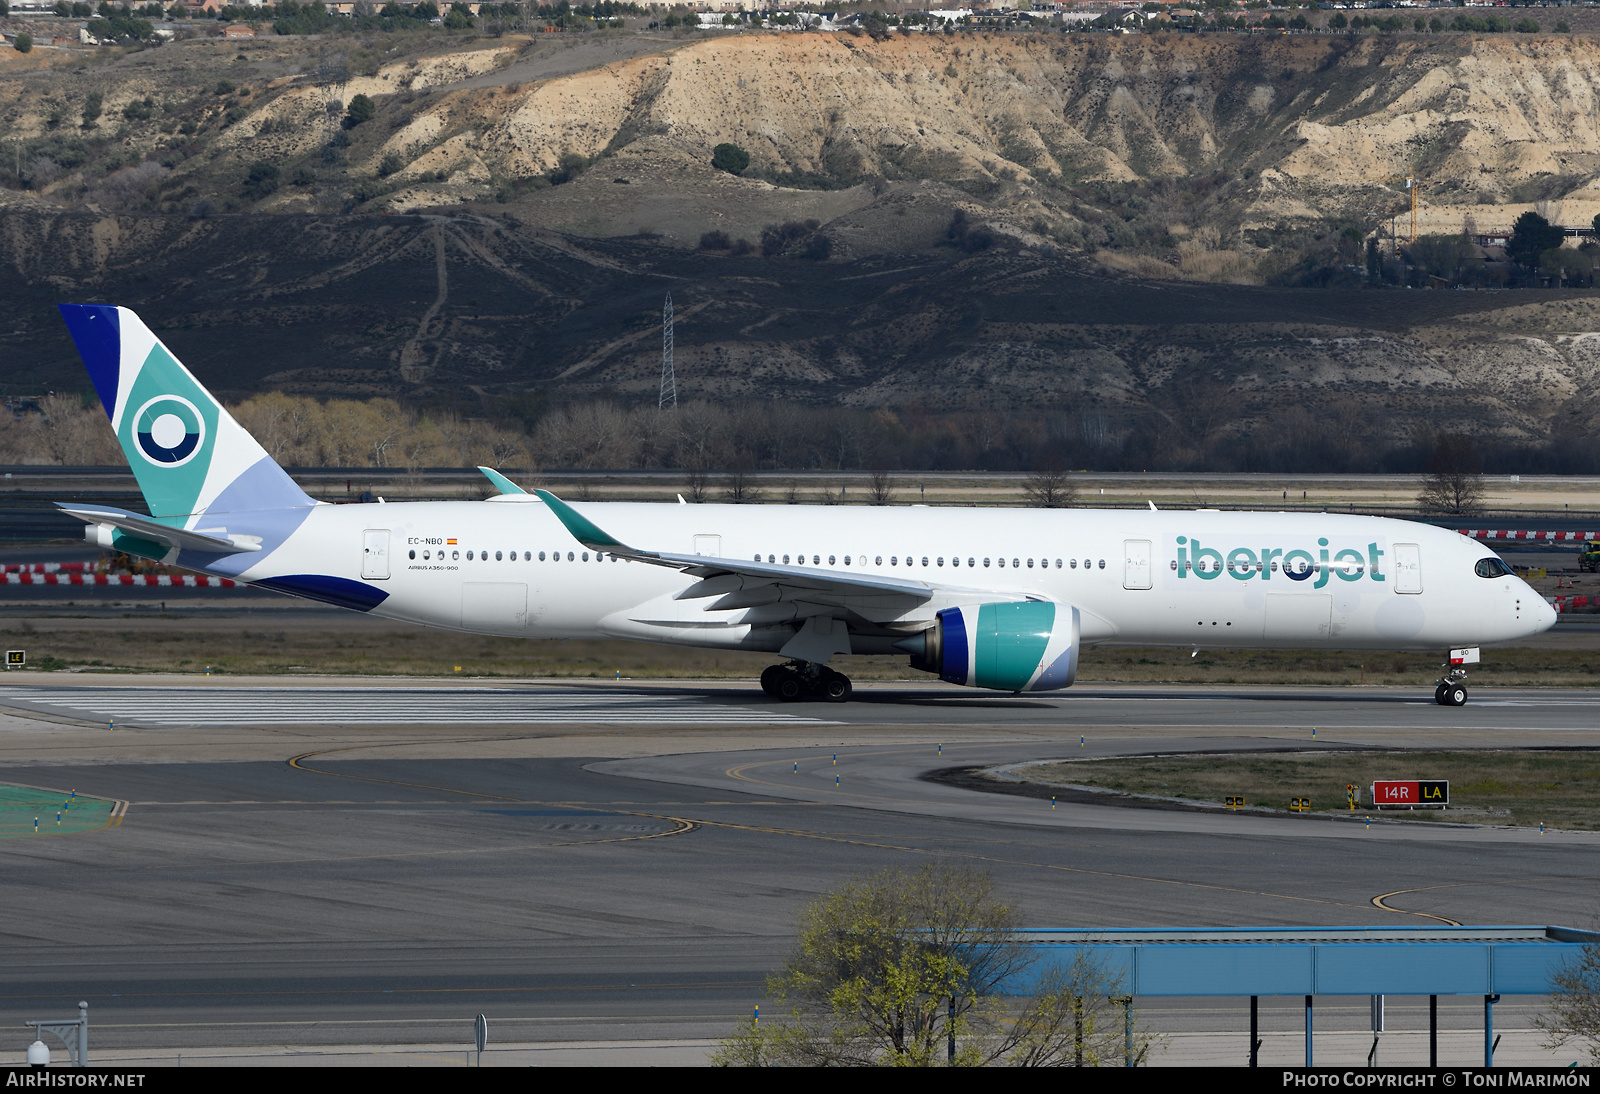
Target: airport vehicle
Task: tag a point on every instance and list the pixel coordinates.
(989, 598)
(1589, 557)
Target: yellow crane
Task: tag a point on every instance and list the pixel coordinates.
(1414, 184)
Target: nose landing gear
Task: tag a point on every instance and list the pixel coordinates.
(1452, 689)
(796, 680)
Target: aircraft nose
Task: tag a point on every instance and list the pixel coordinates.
(1544, 616)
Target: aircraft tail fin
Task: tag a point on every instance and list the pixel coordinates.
(186, 451)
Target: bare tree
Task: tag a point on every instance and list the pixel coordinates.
(698, 484)
(1453, 485)
(881, 488)
(1050, 488)
(742, 487)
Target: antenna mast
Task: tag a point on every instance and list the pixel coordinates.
(669, 378)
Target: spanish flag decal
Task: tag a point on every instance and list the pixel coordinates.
(451, 542)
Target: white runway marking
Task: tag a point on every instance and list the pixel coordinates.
(392, 706)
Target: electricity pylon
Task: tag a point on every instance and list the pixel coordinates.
(669, 377)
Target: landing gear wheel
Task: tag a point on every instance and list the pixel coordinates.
(1438, 695)
(836, 688)
(1455, 695)
(789, 687)
(770, 677)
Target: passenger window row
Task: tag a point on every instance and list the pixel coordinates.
(894, 560)
(511, 556)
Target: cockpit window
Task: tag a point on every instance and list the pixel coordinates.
(1491, 567)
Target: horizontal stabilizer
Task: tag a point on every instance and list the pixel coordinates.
(147, 528)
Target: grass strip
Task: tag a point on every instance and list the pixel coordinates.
(1559, 788)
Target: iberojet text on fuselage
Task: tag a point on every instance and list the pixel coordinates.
(1323, 562)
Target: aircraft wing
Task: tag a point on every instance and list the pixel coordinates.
(151, 529)
(743, 583)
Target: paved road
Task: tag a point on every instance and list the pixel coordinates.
(604, 880)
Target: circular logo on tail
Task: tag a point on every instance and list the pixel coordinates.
(169, 430)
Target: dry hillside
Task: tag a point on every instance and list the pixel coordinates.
(507, 224)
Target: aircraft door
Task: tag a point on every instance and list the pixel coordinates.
(1136, 564)
(375, 554)
(1407, 568)
(710, 546)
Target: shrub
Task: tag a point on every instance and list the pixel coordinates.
(91, 108)
(567, 168)
(261, 180)
(23, 42)
(1527, 26)
(968, 236)
(389, 165)
(359, 109)
(730, 158)
(224, 87)
(715, 241)
(779, 238)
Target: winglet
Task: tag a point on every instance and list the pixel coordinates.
(500, 482)
(1152, 505)
(583, 529)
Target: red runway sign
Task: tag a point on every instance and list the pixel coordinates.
(1410, 794)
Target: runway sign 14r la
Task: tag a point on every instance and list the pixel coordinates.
(1410, 794)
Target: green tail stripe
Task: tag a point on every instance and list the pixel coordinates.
(582, 528)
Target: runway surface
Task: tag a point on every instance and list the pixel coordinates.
(316, 863)
(391, 706)
(327, 701)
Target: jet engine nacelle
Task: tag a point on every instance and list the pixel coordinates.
(1029, 645)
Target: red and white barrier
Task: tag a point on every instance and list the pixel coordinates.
(163, 581)
(48, 568)
(1534, 537)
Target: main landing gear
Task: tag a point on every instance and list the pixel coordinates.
(796, 680)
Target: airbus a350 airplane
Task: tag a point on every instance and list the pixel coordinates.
(988, 598)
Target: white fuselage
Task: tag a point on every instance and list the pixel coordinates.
(1185, 578)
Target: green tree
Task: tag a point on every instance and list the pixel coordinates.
(730, 158)
(91, 108)
(1338, 21)
(1440, 255)
(1574, 1014)
(5, 11)
(912, 969)
(261, 180)
(23, 42)
(1532, 236)
(359, 109)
